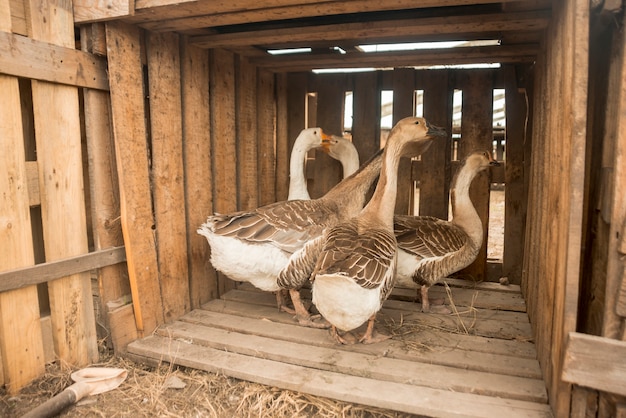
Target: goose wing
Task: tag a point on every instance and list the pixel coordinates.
(287, 225)
(301, 265)
(427, 236)
(367, 256)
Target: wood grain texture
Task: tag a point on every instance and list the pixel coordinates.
(86, 11)
(366, 99)
(247, 134)
(131, 150)
(168, 188)
(266, 114)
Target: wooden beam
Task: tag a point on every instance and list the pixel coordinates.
(39, 60)
(404, 106)
(418, 58)
(52, 270)
(86, 11)
(595, 362)
(380, 31)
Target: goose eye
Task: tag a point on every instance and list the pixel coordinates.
(417, 122)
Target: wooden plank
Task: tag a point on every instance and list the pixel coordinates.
(223, 138)
(52, 270)
(477, 134)
(514, 210)
(496, 287)
(266, 125)
(403, 106)
(435, 177)
(330, 104)
(197, 170)
(168, 189)
(21, 346)
(366, 113)
(352, 389)
(57, 123)
(247, 153)
(384, 369)
(284, 124)
(595, 362)
(40, 60)
(123, 328)
(379, 31)
(131, 151)
(86, 11)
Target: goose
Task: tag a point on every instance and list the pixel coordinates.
(254, 246)
(352, 265)
(429, 248)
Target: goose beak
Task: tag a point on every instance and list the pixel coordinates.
(493, 162)
(435, 130)
(326, 142)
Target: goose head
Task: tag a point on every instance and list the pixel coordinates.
(309, 139)
(415, 135)
(479, 161)
(343, 150)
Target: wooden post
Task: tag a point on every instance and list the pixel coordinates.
(292, 90)
(366, 114)
(266, 124)
(131, 151)
(403, 106)
(477, 134)
(21, 345)
(163, 56)
(59, 153)
(247, 141)
(197, 170)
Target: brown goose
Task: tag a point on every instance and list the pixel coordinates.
(254, 246)
(431, 249)
(353, 264)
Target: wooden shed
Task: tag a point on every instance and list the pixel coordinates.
(124, 124)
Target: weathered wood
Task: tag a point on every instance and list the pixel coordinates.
(131, 151)
(123, 329)
(59, 155)
(197, 170)
(366, 114)
(435, 174)
(477, 134)
(354, 389)
(168, 189)
(404, 106)
(41, 60)
(595, 362)
(86, 11)
(247, 139)
(21, 346)
(379, 31)
(223, 138)
(266, 114)
(52, 270)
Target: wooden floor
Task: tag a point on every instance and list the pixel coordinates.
(479, 361)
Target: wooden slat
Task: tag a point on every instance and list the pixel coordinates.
(358, 364)
(168, 189)
(379, 31)
(247, 159)
(266, 123)
(366, 114)
(353, 389)
(86, 11)
(403, 106)
(57, 123)
(131, 150)
(477, 134)
(198, 170)
(435, 174)
(595, 362)
(40, 60)
(41, 273)
(21, 346)
(284, 125)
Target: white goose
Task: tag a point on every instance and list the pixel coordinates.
(353, 264)
(254, 246)
(430, 248)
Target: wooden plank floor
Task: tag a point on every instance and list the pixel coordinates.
(479, 361)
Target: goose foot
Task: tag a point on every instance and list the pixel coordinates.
(371, 337)
(426, 302)
(347, 339)
(302, 314)
(281, 302)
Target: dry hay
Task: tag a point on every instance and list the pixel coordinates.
(173, 391)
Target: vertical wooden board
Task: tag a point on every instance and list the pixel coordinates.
(436, 165)
(266, 126)
(21, 346)
(283, 126)
(477, 134)
(197, 170)
(163, 56)
(403, 106)
(247, 159)
(57, 124)
(331, 90)
(104, 187)
(366, 114)
(131, 151)
(223, 138)
(514, 213)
